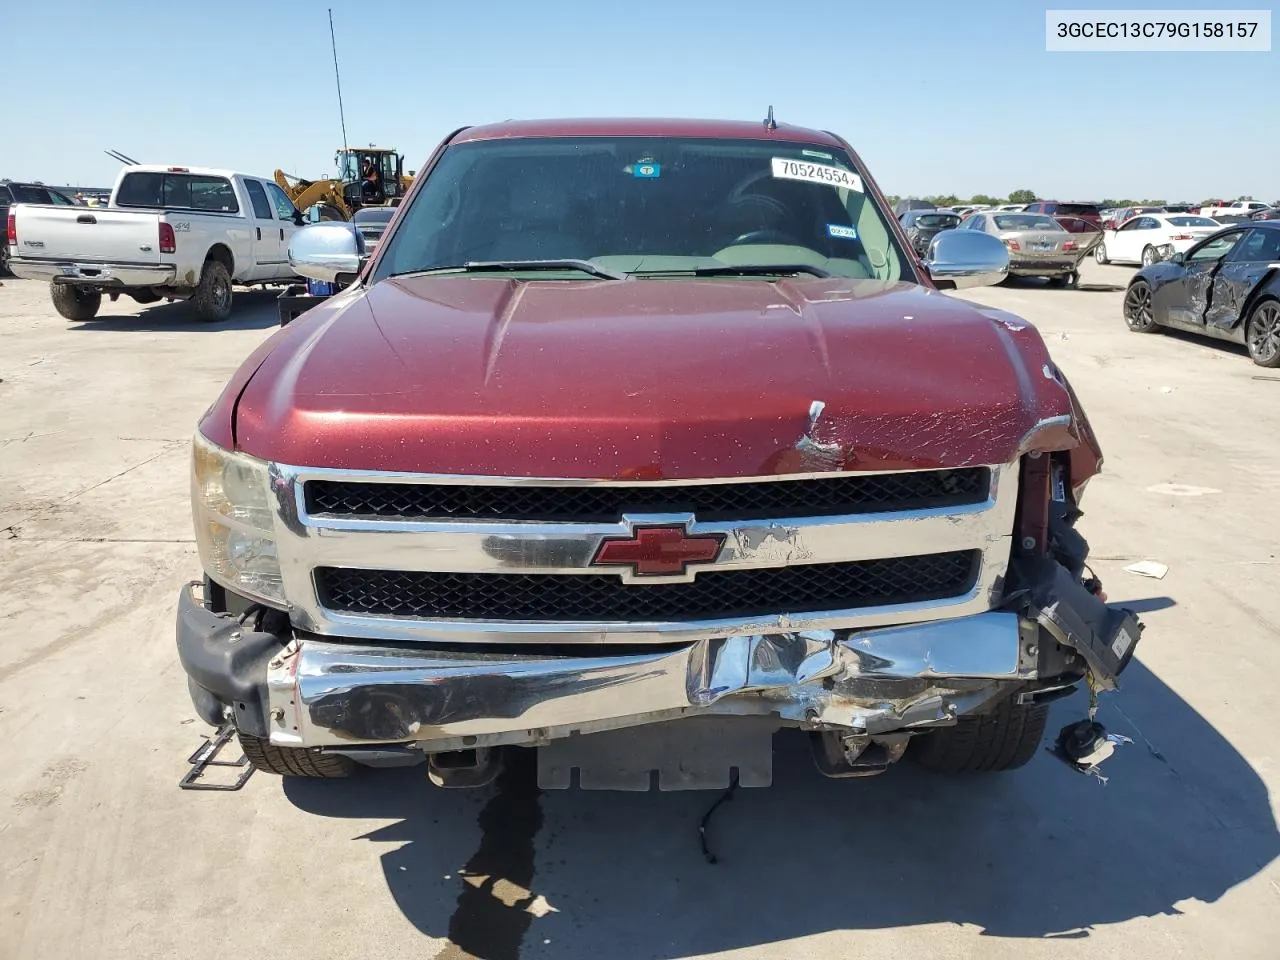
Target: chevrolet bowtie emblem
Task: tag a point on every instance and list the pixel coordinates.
(657, 551)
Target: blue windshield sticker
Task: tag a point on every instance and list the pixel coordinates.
(844, 233)
(647, 171)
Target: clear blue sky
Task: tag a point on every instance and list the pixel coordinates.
(938, 96)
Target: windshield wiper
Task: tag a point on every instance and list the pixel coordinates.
(745, 270)
(516, 266)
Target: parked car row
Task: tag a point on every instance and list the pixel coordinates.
(1047, 239)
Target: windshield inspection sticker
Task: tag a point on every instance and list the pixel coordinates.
(647, 170)
(785, 169)
(844, 233)
(816, 153)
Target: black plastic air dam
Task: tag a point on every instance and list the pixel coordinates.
(225, 663)
(1104, 635)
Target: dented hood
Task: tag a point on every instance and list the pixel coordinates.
(648, 379)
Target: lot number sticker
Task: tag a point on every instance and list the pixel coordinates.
(785, 169)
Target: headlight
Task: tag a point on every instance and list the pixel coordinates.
(231, 506)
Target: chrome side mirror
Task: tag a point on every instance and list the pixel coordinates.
(332, 252)
(966, 258)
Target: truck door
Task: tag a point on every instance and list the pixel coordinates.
(268, 252)
(287, 217)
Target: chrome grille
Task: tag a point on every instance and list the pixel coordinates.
(843, 495)
(713, 595)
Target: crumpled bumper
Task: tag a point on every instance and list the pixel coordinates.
(316, 692)
(333, 693)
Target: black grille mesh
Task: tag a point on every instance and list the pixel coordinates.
(802, 588)
(823, 497)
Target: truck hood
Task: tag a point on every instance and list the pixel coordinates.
(648, 379)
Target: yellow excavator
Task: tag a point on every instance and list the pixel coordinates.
(338, 198)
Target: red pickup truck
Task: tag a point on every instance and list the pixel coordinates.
(634, 442)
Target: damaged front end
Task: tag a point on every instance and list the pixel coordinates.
(693, 712)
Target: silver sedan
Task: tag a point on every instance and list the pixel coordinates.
(1038, 245)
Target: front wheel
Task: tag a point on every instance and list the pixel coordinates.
(293, 761)
(1148, 255)
(1138, 312)
(74, 303)
(1262, 334)
(1004, 739)
(1100, 254)
(212, 298)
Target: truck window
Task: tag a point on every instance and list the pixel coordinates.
(258, 197)
(177, 191)
(26, 194)
(285, 209)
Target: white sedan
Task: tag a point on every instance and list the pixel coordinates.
(1138, 239)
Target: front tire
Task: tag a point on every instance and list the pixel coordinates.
(1262, 333)
(212, 298)
(1100, 254)
(1004, 739)
(74, 303)
(1148, 255)
(1139, 314)
(294, 762)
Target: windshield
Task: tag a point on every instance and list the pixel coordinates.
(651, 205)
(942, 220)
(1193, 222)
(1026, 221)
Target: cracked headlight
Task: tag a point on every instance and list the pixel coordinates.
(231, 507)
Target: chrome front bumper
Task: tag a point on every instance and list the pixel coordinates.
(95, 274)
(321, 693)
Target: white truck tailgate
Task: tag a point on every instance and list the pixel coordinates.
(87, 234)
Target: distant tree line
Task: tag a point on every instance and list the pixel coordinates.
(1029, 196)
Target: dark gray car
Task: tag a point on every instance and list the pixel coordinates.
(922, 226)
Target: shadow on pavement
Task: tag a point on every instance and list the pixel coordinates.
(1211, 344)
(1040, 852)
(1039, 283)
(251, 310)
(1148, 604)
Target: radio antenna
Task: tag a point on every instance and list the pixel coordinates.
(769, 122)
(338, 79)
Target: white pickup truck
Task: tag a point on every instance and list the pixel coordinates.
(169, 233)
(1237, 208)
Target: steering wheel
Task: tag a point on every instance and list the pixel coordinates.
(766, 236)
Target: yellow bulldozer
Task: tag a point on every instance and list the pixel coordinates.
(338, 198)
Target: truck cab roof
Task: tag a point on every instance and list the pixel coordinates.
(647, 127)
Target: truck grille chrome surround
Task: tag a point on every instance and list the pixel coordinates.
(463, 579)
